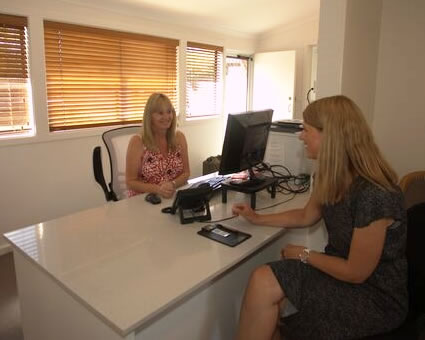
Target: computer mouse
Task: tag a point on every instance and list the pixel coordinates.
(153, 198)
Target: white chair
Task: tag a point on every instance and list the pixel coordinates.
(116, 142)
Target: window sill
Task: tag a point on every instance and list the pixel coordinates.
(44, 137)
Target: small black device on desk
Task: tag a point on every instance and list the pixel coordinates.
(192, 204)
(220, 233)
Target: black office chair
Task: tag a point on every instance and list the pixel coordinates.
(116, 142)
(413, 187)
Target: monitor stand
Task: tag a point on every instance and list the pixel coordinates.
(250, 186)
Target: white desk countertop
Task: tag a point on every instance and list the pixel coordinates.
(127, 262)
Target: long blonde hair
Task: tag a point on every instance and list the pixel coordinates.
(158, 102)
(347, 149)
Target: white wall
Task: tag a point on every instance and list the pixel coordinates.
(299, 37)
(360, 59)
(374, 53)
(348, 50)
(330, 47)
(399, 115)
(51, 175)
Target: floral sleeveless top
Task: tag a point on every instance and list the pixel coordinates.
(155, 168)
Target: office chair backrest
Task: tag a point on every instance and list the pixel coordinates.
(116, 142)
(416, 258)
(414, 325)
(413, 187)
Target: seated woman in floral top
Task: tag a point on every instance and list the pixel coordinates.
(157, 159)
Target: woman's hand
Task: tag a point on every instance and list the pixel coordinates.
(243, 209)
(166, 189)
(292, 252)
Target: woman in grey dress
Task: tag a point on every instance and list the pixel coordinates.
(358, 285)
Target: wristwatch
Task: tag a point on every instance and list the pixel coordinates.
(304, 255)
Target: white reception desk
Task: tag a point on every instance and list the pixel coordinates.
(127, 271)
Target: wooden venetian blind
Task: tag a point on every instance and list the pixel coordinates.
(98, 77)
(14, 76)
(203, 79)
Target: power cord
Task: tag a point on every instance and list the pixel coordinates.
(287, 183)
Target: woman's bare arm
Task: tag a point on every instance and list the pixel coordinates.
(365, 251)
(295, 218)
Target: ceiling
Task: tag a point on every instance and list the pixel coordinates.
(250, 17)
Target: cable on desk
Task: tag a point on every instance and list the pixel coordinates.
(279, 203)
(287, 183)
(224, 219)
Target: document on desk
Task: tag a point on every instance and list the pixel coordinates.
(220, 233)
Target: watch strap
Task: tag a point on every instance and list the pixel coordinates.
(305, 254)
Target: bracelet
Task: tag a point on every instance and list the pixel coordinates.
(304, 255)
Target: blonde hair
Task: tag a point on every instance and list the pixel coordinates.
(347, 149)
(158, 102)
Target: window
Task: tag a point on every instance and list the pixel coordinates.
(203, 80)
(15, 104)
(98, 77)
(236, 95)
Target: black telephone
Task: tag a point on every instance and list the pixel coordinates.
(192, 203)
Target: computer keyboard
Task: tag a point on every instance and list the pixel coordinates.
(214, 182)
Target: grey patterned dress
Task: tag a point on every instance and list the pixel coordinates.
(332, 309)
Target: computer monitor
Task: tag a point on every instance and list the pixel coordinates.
(245, 141)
